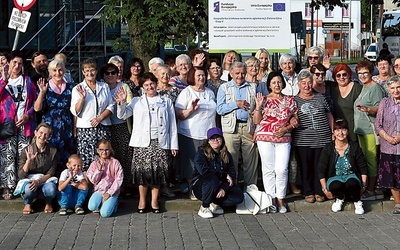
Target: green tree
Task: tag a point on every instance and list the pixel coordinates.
(150, 21)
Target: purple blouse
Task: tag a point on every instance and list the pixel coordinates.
(388, 119)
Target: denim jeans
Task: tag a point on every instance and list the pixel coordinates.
(47, 191)
(107, 208)
(71, 197)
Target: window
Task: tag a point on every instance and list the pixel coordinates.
(307, 10)
(328, 13)
(345, 11)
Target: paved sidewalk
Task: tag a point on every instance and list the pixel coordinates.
(185, 230)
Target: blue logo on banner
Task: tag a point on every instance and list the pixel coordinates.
(278, 7)
(216, 7)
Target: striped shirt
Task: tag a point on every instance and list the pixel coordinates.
(313, 130)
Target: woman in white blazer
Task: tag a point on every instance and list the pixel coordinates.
(154, 138)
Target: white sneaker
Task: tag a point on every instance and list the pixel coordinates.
(359, 207)
(337, 205)
(272, 209)
(216, 209)
(282, 209)
(205, 212)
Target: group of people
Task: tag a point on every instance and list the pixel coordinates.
(199, 123)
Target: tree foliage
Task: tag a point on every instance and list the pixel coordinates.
(150, 21)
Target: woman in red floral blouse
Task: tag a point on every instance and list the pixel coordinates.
(272, 114)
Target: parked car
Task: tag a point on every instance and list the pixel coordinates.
(370, 54)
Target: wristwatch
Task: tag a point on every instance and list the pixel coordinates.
(323, 189)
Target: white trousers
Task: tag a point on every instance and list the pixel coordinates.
(274, 166)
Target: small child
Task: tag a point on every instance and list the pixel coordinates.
(73, 186)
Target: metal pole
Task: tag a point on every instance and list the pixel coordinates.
(16, 40)
(341, 38)
(316, 32)
(372, 16)
(312, 26)
(349, 36)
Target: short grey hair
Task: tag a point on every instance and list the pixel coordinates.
(116, 59)
(316, 49)
(393, 79)
(183, 56)
(163, 66)
(237, 64)
(285, 57)
(54, 63)
(304, 74)
(155, 60)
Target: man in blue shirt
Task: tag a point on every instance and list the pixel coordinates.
(235, 104)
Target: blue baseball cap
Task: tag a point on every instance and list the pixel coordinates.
(214, 131)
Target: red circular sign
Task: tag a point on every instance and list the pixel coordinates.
(24, 4)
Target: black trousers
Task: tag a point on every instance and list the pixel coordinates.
(308, 160)
(351, 189)
(207, 187)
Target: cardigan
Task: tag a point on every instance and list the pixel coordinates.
(329, 156)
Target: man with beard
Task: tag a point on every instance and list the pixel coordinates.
(39, 64)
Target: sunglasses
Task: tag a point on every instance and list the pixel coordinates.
(313, 57)
(319, 74)
(108, 73)
(344, 75)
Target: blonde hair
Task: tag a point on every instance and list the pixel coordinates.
(74, 157)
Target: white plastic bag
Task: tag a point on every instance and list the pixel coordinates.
(254, 202)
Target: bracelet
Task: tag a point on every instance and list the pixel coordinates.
(324, 189)
(257, 110)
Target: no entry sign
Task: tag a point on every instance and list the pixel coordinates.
(24, 4)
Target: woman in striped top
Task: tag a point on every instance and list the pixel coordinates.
(314, 131)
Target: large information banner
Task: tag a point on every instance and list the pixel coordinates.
(248, 25)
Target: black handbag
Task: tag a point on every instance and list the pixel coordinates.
(7, 130)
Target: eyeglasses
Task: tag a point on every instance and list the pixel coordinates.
(215, 139)
(363, 73)
(104, 150)
(215, 68)
(344, 75)
(108, 73)
(396, 66)
(319, 74)
(313, 57)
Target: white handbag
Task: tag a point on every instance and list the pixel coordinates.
(254, 202)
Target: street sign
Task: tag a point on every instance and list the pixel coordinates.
(24, 4)
(19, 20)
(324, 31)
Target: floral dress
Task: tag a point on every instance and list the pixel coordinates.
(56, 113)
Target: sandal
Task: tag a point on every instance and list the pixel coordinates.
(319, 198)
(310, 199)
(7, 194)
(27, 210)
(48, 209)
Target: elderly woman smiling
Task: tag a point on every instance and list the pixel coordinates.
(287, 62)
(92, 104)
(387, 125)
(183, 65)
(314, 131)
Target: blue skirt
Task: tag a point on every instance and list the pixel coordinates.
(342, 178)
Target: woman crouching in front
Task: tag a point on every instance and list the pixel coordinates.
(342, 169)
(214, 176)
